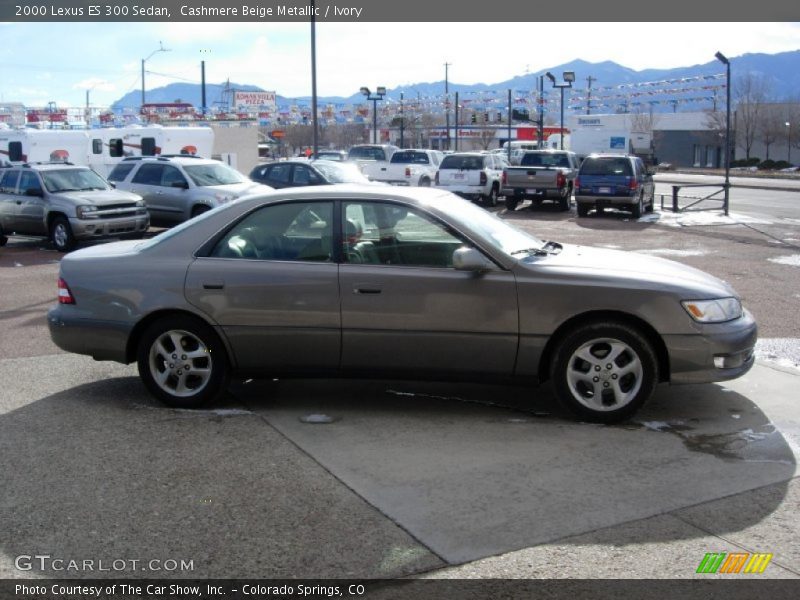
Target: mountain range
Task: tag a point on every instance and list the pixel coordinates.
(781, 71)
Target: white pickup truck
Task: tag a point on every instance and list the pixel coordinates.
(371, 157)
(407, 167)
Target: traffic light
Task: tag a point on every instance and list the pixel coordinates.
(474, 118)
(486, 117)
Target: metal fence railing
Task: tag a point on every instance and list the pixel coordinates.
(695, 200)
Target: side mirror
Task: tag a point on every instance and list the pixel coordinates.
(34, 192)
(470, 259)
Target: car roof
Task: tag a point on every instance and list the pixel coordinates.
(181, 160)
(51, 166)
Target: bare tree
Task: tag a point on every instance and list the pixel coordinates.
(750, 93)
(485, 137)
(643, 122)
(771, 127)
(344, 135)
(298, 137)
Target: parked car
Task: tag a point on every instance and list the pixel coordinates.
(178, 188)
(335, 155)
(541, 175)
(409, 167)
(371, 157)
(617, 180)
(293, 173)
(396, 282)
(471, 175)
(67, 204)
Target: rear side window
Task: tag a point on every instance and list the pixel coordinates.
(407, 158)
(8, 181)
(149, 174)
(120, 172)
(462, 163)
(367, 153)
(279, 173)
(606, 166)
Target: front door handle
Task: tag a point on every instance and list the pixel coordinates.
(213, 285)
(366, 289)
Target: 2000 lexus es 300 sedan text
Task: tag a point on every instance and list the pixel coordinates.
(403, 283)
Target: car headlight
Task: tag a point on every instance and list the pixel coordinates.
(717, 310)
(87, 211)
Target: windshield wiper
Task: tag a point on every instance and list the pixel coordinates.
(534, 251)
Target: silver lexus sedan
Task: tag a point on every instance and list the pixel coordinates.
(394, 282)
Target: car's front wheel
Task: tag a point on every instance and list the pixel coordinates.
(182, 362)
(604, 371)
(61, 234)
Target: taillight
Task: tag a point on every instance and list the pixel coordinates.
(408, 171)
(436, 179)
(561, 180)
(483, 178)
(634, 184)
(505, 177)
(64, 295)
(577, 183)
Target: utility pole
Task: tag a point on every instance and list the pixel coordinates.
(447, 104)
(589, 79)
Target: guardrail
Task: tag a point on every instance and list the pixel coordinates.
(721, 188)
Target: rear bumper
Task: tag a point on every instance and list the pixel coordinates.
(606, 200)
(467, 191)
(530, 192)
(102, 340)
(718, 353)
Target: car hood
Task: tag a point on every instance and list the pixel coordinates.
(240, 189)
(100, 197)
(617, 264)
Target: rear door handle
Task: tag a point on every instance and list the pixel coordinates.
(213, 285)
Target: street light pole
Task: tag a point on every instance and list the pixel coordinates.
(569, 78)
(314, 79)
(380, 92)
(144, 60)
(789, 143)
(402, 121)
(721, 58)
(447, 104)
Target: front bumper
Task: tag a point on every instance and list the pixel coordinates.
(87, 229)
(717, 352)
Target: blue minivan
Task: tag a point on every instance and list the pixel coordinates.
(615, 180)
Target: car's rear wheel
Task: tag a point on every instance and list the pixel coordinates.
(583, 209)
(424, 182)
(604, 371)
(61, 234)
(512, 202)
(491, 198)
(182, 362)
(564, 195)
(638, 208)
(3, 238)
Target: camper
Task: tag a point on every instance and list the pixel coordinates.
(518, 148)
(102, 149)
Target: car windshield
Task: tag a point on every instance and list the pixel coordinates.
(530, 159)
(409, 157)
(340, 173)
(213, 174)
(610, 165)
(505, 237)
(71, 180)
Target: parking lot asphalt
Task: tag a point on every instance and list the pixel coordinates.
(405, 478)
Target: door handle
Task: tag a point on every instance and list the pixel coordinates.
(365, 289)
(213, 285)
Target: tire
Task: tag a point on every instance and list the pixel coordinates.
(491, 199)
(512, 202)
(61, 234)
(203, 352)
(424, 182)
(651, 207)
(638, 208)
(3, 238)
(597, 387)
(564, 196)
(583, 209)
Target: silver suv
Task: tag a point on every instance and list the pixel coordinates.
(177, 188)
(66, 203)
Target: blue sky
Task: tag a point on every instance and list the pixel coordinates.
(60, 61)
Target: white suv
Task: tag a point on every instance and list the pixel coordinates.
(472, 175)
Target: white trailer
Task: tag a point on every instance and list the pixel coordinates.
(589, 140)
(102, 149)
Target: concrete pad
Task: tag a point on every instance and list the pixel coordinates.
(470, 478)
(622, 552)
(92, 468)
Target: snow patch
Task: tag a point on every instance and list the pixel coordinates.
(791, 260)
(689, 219)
